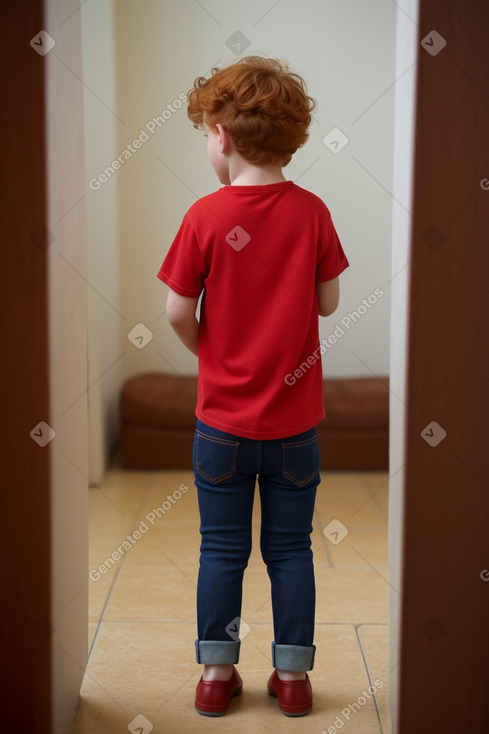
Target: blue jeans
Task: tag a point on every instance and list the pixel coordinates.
(225, 468)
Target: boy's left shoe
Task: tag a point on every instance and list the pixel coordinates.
(294, 696)
(212, 697)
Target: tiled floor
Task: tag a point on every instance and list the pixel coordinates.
(141, 673)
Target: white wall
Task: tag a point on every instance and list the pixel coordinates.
(67, 363)
(406, 56)
(105, 347)
(344, 48)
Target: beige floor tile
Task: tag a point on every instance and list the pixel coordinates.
(181, 544)
(374, 640)
(361, 547)
(377, 484)
(108, 528)
(352, 595)
(174, 494)
(107, 525)
(148, 670)
(121, 491)
(154, 586)
(257, 601)
(319, 545)
(98, 593)
(113, 510)
(151, 586)
(346, 496)
(92, 629)
(156, 582)
(142, 662)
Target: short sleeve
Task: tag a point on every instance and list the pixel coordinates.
(332, 259)
(183, 269)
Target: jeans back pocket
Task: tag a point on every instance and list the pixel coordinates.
(215, 458)
(301, 461)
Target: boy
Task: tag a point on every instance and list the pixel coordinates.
(266, 256)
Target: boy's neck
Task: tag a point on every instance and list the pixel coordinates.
(243, 173)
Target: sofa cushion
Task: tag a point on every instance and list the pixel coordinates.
(158, 400)
(356, 403)
(158, 423)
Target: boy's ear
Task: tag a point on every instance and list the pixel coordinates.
(224, 139)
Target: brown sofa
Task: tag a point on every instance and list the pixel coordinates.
(158, 422)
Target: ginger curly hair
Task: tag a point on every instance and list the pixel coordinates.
(261, 104)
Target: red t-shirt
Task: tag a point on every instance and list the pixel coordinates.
(257, 252)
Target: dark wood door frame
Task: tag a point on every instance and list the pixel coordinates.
(44, 584)
(442, 672)
(24, 383)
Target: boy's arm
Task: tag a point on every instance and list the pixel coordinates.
(328, 296)
(182, 318)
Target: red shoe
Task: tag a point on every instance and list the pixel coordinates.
(212, 696)
(294, 696)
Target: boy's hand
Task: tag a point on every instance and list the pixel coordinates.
(181, 315)
(328, 296)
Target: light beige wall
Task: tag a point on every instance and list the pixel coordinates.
(401, 234)
(105, 345)
(345, 49)
(68, 357)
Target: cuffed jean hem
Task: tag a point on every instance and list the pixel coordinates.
(217, 652)
(297, 658)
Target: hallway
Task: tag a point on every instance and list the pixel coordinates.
(142, 668)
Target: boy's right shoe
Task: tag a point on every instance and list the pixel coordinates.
(212, 696)
(294, 696)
